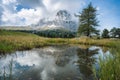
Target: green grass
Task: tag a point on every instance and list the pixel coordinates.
(12, 41)
(14, 33)
(5, 47)
(109, 68)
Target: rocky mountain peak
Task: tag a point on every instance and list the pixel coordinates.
(62, 19)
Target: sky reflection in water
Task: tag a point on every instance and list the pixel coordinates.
(53, 63)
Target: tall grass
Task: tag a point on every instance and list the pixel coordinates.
(109, 68)
(11, 41)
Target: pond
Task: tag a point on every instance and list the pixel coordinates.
(51, 63)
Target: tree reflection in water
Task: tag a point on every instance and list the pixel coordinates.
(86, 61)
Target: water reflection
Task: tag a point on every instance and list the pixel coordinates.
(85, 62)
(52, 63)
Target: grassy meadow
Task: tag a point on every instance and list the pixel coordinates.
(12, 41)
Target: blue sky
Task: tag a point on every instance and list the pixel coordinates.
(109, 13)
(27, 12)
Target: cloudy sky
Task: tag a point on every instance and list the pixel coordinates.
(26, 12)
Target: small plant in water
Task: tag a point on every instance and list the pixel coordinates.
(10, 68)
(4, 75)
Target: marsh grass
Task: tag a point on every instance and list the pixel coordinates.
(5, 47)
(11, 41)
(110, 67)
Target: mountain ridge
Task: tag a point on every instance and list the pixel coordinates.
(63, 19)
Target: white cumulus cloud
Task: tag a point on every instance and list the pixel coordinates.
(7, 2)
(33, 10)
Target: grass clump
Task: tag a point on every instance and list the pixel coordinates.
(110, 67)
(6, 47)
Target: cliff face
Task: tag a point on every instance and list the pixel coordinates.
(62, 20)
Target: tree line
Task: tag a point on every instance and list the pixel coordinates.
(57, 33)
(113, 33)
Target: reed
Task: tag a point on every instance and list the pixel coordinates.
(10, 68)
(109, 68)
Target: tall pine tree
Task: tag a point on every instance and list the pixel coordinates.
(88, 21)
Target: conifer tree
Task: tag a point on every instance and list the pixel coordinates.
(88, 21)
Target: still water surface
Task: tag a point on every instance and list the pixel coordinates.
(52, 63)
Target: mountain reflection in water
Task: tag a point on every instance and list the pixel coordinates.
(51, 63)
